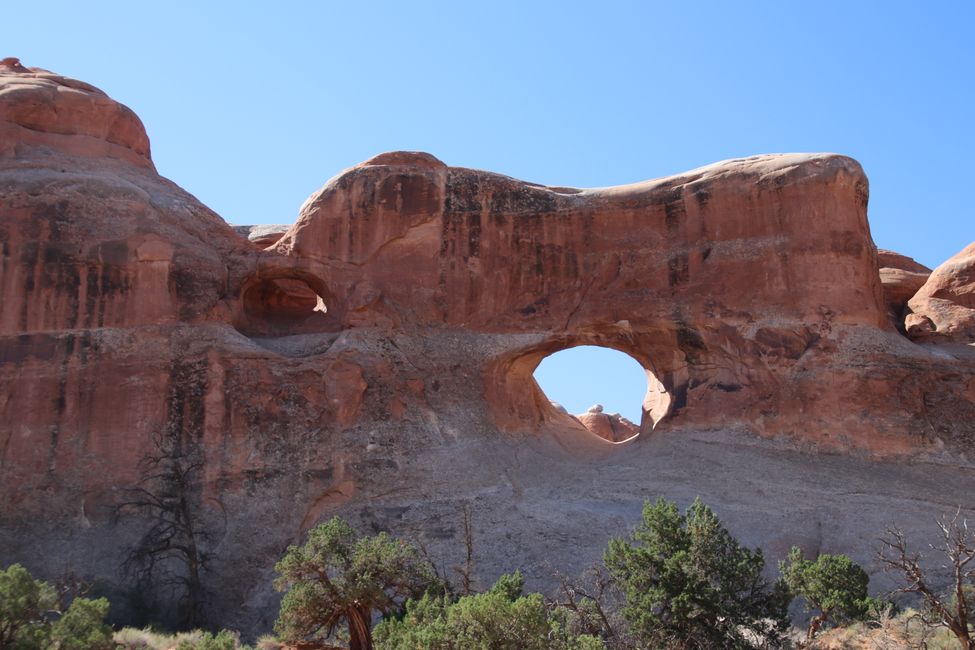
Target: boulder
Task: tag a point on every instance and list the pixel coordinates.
(609, 426)
(943, 309)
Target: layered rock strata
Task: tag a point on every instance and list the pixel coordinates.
(376, 360)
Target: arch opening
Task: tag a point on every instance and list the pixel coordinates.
(282, 305)
(609, 392)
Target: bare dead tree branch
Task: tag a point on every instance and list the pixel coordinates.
(957, 546)
(171, 554)
(466, 570)
(593, 601)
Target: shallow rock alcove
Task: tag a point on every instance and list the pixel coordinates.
(282, 305)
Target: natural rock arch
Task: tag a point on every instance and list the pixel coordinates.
(750, 288)
(517, 400)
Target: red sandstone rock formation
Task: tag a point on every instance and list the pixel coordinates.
(943, 309)
(377, 360)
(901, 278)
(105, 266)
(608, 426)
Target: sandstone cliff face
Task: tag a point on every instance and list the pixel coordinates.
(376, 359)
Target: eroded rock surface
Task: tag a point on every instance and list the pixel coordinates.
(376, 361)
(901, 277)
(608, 426)
(263, 235)
(943, 309)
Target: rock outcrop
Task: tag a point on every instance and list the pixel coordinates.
(376, 361)
(901, 277)
(943, 309)
(264, 235)
(608, 426)
(48, 111)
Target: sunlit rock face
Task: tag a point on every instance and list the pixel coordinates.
(608, 426)
(375, 359)
(943, 309)
(901, 277)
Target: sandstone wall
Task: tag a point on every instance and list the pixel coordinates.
(376, 361)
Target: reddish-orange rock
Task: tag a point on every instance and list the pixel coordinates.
(93, 237)
(901, 277)
(944, 308)
(608, 426)
(41, 109)
(377, 360)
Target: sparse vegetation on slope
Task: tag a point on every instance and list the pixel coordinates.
(503, 618)
(679, 581)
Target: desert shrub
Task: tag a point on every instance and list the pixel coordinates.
(222, 640)
(689, 584)
(82, 626)
(32, 616)
(893, 631)
(832, 586)
(268, 642)
(133, 639)
(501, 619)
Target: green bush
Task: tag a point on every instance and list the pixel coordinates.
(501, 619)
(83, 626)
(31, 617)
(833, 586)
(688, 583)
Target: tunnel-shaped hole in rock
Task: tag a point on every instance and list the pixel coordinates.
(281, 305)
(608, 391)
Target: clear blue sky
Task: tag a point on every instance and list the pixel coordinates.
(252, 106)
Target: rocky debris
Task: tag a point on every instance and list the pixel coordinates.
(264, 235)
(943, 309)
(747, 289)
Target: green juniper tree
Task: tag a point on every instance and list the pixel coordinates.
(337, 576)
(33, 617)
(688, 584)
(832, 585)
